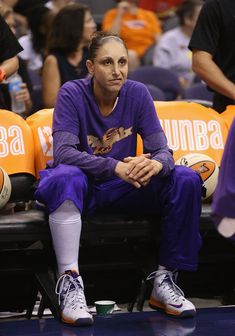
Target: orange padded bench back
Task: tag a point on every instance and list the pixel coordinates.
(16, 144)
(191, 128)
(228, 115)
(41, 125)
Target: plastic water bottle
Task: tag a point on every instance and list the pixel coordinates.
(14, 82)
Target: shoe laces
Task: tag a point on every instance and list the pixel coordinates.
(70, 290)
(168, 281)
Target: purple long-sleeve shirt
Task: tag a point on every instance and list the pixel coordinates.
(84, 138)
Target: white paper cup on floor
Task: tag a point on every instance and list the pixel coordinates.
(104, 307)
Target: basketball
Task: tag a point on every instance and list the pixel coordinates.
(206, 167)
(5, 188)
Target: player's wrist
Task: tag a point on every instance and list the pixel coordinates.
(117, 168)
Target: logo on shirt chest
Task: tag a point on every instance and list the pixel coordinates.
(110, 137)
(134, 24)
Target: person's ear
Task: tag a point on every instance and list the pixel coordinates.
(90, 67)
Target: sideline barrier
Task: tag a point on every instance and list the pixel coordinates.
(228, 115)
(191, 128)
(41, 126)
(23, 227)
(16, 144)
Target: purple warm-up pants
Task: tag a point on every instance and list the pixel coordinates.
(176, 198)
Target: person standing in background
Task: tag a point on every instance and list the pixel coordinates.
(139, 28)
(224, 197)
(21, 24)
(9, 49)
(213, 48)
(23, 92)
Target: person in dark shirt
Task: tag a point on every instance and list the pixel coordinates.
(67, 50)
(24, 94)
(213, 48)
(9, 49)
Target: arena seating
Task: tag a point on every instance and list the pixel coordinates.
(198, 92)
(114, 248)
(162, 78)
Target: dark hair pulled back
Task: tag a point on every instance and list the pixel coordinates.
(98, 39)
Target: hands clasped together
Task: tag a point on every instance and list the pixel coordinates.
(138, 170)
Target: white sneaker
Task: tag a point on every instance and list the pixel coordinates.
(72, 300)
(168, 297)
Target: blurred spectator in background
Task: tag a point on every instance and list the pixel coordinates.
(160, 6)
(21, 24)
(165, 10)
(172, 51)
(67, 50)
(34, 43)
(57, 5)
(9, 49)
(139, 28)
(213, 49)
(24, 93)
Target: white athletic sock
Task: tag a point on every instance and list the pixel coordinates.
(227, 227)
(161, 268)
(65, 226)
(174, 273)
